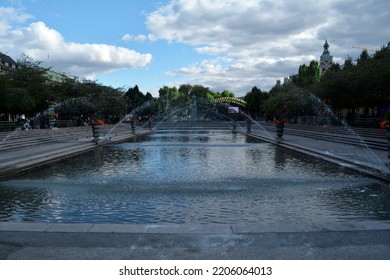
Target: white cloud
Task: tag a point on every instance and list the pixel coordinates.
(9, 15)
(137, 38)
(266, 40)
(213, 49)
(48, 45)
(201, 68)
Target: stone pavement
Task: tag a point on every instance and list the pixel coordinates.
(307, 240)
(360, 158)
(369, 240)
(48, 148)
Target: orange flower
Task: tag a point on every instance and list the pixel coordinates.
(277, 122)
(281, 116)
(385, 124)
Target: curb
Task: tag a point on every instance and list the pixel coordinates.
(22, 164)
(254, 228)
(361, 168)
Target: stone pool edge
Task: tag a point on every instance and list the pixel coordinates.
(244, 228)
(343, 162)
(42, 158)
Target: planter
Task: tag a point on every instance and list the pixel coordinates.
(279, 131)
(96, 133)
(248, 127)
(388, 145)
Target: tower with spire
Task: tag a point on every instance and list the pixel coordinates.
(326, 60)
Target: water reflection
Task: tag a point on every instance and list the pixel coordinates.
(280, 158)
(202, 177)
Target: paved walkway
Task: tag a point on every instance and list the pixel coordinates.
(368, 240)
(354, 155)
(343, 240)
(31, 149)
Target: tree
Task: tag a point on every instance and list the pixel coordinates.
(199, 91)
(107, 106)
(135, 98)
(18, 101)
(31, 77)
(296, 102)
(307, 76)
(361, 85)
(227, 93)
(76, 108)
(4, 86)
(69, 87)
(168, 97)
(148, 97)
(255, 101)
(363, 59)
(185, 90)
(276, 88)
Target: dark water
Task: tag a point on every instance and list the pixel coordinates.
(198, 177)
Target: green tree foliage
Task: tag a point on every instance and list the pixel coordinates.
(4, 86)
(255, 100)
(171, 96)
(69, 87)
(307, 76)
(200, 91)
(17, 101)
(136, 98)
(30, 78)
(73, 108)
(225, 93)
(168, 97)
(351, 86)
(296, 101)
(363, 84)
(107, 106)
(29, 89)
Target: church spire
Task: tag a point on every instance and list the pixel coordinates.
(326, 47)
(326, 60)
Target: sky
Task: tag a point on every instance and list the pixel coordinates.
(222, 44)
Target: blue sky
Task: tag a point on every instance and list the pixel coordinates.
(228, 44)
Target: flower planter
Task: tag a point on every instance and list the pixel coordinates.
(279, 131)
(388, 145)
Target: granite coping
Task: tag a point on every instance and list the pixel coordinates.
(245, 228)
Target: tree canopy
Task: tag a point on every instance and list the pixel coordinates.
(363, 83)
(354, 85)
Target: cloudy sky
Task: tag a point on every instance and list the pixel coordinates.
(222, 44)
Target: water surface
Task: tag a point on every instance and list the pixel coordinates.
(192, 177)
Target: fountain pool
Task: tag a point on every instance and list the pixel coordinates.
(192, 177)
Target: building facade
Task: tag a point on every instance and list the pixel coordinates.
(7, 64)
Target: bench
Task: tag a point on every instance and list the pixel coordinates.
(365, 122)
(64, 123)
(8, 125)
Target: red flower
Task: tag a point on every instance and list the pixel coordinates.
(384, 124)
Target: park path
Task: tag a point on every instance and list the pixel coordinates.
(28, 149)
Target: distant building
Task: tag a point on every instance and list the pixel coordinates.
(326, 60)
(7, 64)
(55, 76)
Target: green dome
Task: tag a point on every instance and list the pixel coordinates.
(326, 54)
